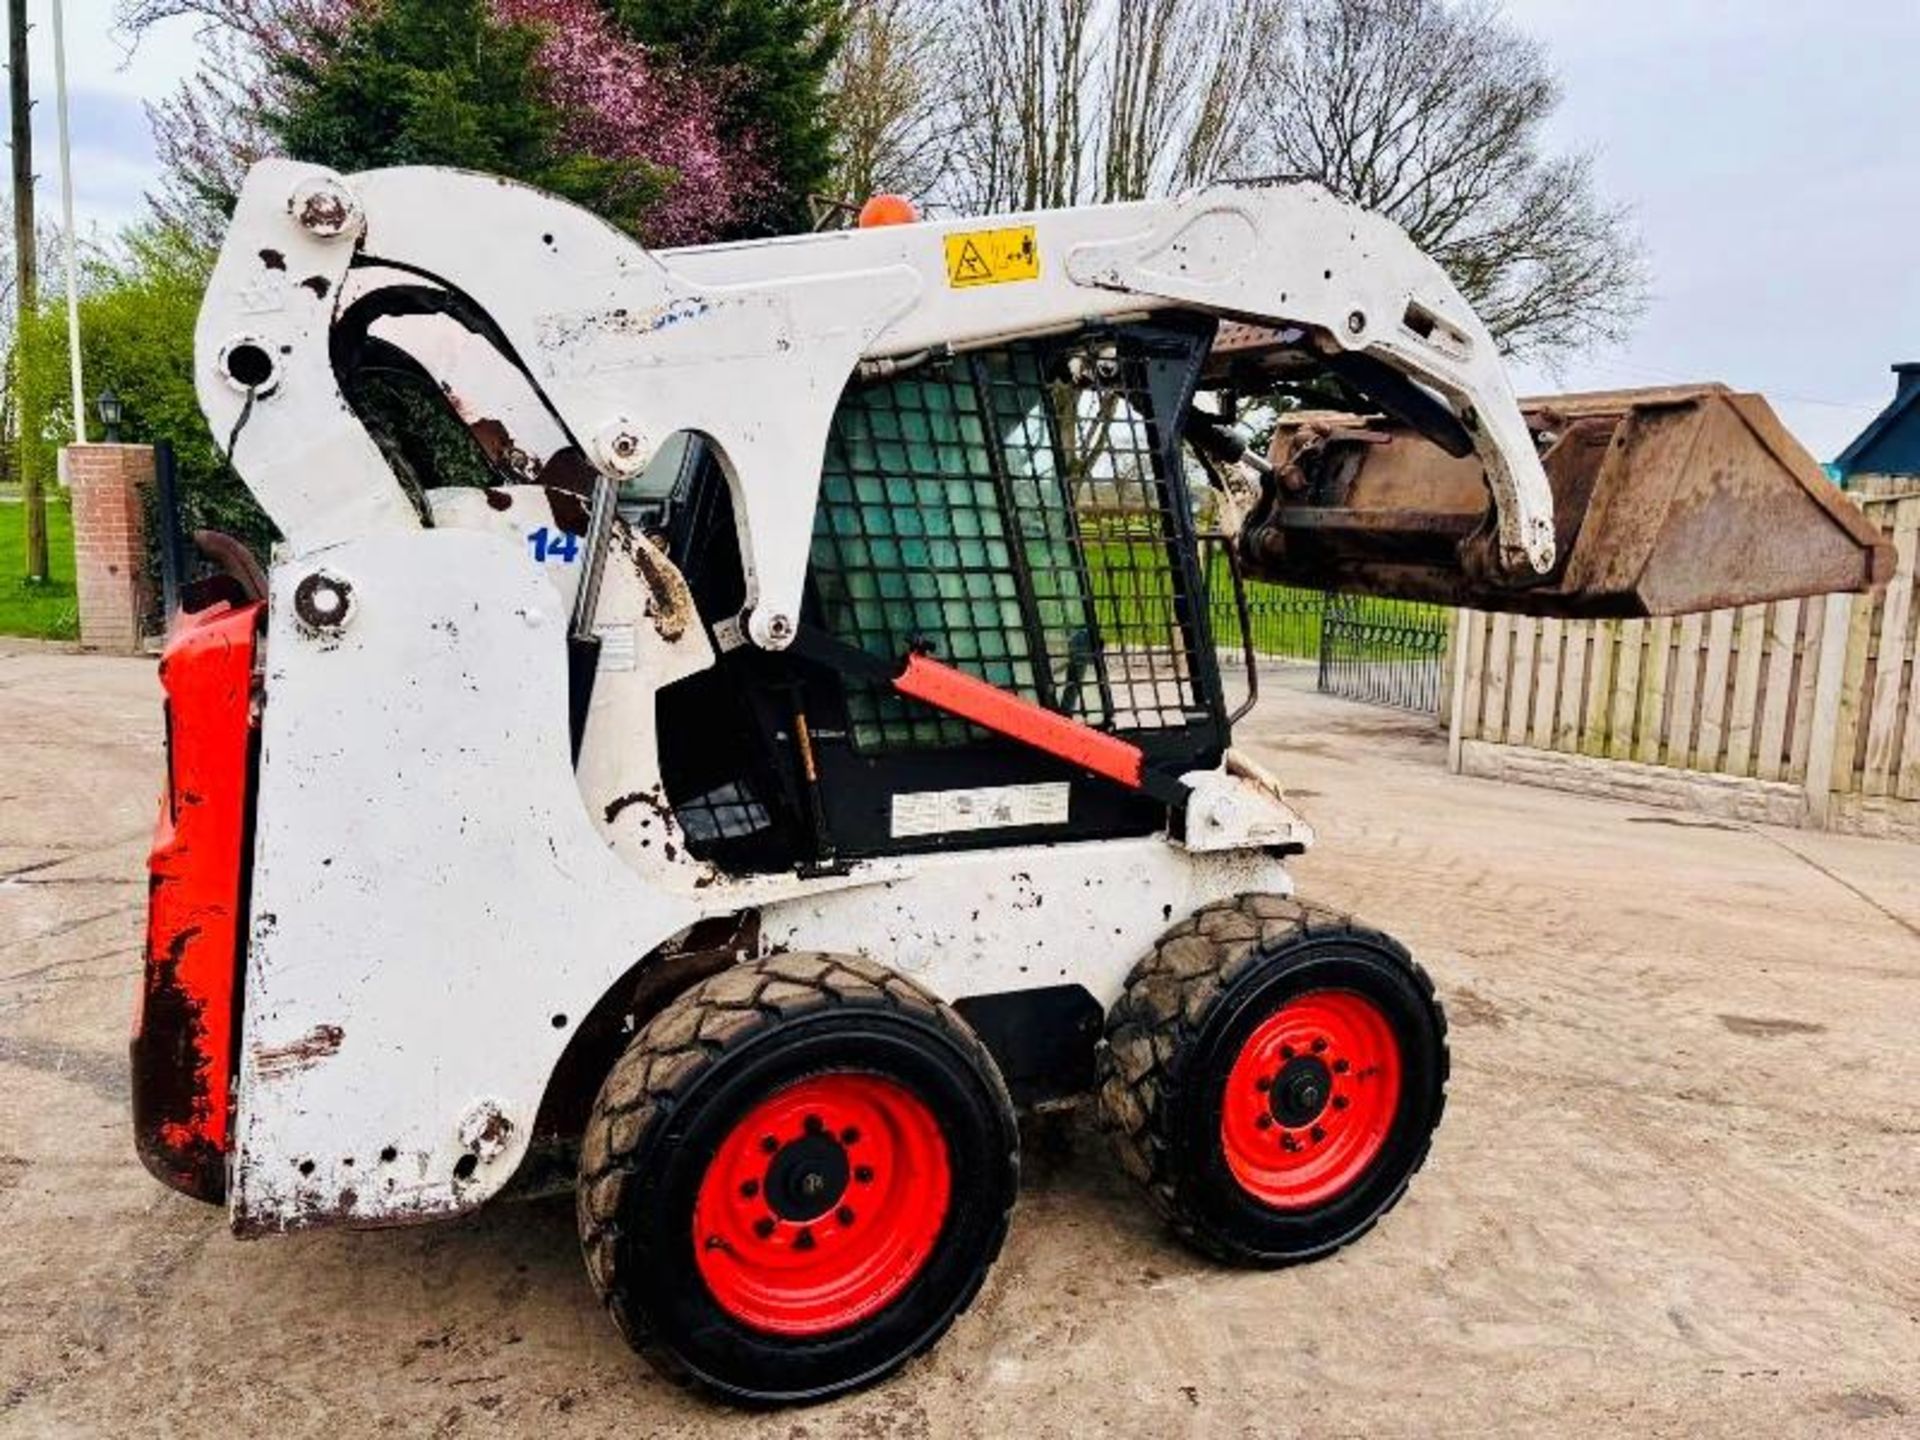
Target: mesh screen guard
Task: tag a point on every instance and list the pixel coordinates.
(1022, 514)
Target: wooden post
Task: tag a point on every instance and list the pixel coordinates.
(1824, 732)
(1463, 622)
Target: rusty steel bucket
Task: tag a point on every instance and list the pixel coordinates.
(1666, 501)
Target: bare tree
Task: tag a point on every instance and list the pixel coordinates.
(1183, 84)
(1432, 112)
(1067, 102)
(887, 90)
(1020, 71)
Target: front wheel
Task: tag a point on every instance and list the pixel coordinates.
(1273, 1074)
(795, 1178)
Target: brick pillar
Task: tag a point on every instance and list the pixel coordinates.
(109, 542)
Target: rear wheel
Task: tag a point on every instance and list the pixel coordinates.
(1273, 1074)
(795, 1178)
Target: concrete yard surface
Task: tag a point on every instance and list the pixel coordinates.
(1675, 1192)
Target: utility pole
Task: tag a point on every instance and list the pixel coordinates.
(26, 285)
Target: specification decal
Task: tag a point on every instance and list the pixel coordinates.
(619, 647)
(943, 812)
(992, 257)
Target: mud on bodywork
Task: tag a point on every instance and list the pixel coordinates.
(185, 1029)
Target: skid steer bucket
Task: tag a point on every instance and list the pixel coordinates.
(1666, 501)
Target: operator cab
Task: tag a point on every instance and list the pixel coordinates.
(1021, 514)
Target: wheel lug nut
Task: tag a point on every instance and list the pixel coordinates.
(1318, 1134)
(749, 1188)
(863, 1173)
(1262, 1121)
(1286, 1052)
(1265, 1082)
(1340, 1067)
(803, 1241)
(844, 1215)
(769, 1144)
(814, 1127)
(1339, 1102)
(763, 1227)
(1320, 1045)
(850, 1136)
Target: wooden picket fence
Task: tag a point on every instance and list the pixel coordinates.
(1821, 694)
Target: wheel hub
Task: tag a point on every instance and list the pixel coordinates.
(807, 1177)
(1302, 1091)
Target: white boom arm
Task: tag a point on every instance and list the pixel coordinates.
(751, 344)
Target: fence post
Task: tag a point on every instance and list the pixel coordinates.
(1457, 706)
(1824, 736)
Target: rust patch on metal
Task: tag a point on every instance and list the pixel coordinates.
(1666, 501)
(669, 599)
(496, 442)
(569, 511)
(567, 469)
(324, 212)
(319, 1043)
(652, 799)
(170, 1082)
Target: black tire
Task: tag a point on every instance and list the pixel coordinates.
(1173, 1037)
(673, 1107)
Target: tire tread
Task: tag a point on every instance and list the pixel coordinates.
(1158, 1017)
(710, 1020)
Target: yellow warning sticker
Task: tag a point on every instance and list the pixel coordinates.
(992, 257)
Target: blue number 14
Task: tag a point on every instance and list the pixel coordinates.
(551, 544)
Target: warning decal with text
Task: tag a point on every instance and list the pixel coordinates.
(992, 257)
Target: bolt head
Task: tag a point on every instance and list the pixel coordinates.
(622, 449)
(323, 603)
(324, 207)
(770, 630)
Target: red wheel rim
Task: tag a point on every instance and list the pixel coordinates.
(1310, 1099)
(822, 1204)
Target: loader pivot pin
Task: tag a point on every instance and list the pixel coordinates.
(774, 1229)
(1310, 1099)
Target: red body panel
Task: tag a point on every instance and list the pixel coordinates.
(991, 708)
(184, 1033)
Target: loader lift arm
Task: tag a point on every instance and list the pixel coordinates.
(751, 344)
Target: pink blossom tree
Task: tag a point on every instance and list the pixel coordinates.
(617, 101)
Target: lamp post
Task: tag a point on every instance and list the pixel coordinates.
(110, 410)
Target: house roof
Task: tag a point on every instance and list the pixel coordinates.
(1902, 412)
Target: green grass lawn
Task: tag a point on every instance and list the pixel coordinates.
(48, 610)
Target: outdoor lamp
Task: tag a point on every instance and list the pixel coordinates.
(110, 410)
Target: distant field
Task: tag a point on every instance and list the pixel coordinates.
(47, 611)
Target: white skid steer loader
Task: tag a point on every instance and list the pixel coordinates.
(811, 744)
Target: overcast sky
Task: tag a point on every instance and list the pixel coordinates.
(1770, 150)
